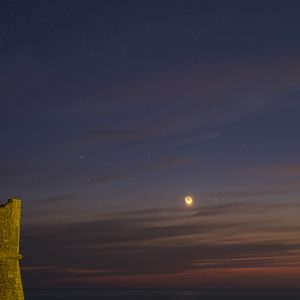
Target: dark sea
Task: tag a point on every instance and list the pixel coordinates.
(161, 294)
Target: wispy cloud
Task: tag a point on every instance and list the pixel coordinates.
(269, 191)
(58, 199)
(116, 133)
(107, 178)
(176, 240)
(283, 169)
(140, 169)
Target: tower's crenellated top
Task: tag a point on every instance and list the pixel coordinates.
(12, 200)
(10, 214)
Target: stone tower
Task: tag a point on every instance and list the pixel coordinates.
(10, 276)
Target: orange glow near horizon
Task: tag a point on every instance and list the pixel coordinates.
(272, 277)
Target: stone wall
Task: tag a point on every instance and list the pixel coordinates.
(10, 276)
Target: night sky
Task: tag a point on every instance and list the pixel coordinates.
(113, 111)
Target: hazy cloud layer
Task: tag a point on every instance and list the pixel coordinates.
(221, 236)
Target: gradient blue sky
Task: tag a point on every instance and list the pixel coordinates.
(112, 111)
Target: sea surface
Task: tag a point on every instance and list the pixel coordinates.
(161, 294)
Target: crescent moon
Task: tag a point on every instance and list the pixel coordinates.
(188, 201)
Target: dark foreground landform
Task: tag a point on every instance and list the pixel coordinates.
(96, 294)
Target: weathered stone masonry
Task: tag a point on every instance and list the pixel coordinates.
(10, 276)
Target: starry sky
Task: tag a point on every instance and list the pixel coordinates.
(112, 111)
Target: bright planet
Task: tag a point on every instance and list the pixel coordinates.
(188, 201)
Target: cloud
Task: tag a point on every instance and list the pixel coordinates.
(168, 162)
(116, 133)
(58, 199)
(140, 169)
(196, 137)
(103, 179)
(206, 93)
(277, 190)
(161, 241)
(283, 169)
